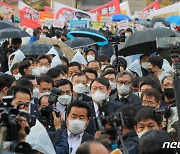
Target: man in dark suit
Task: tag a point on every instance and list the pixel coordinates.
(77, 119)
(100, 106)
(125, 95)
(79, 82)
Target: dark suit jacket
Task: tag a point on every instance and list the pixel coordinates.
(132, 99)
(86, 98)
(86, 136)
(34, 110)
(111, 108)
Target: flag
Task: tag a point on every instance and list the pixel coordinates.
(154, 6)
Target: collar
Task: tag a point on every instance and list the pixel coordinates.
(79, 97)
(71, 135)
(123, 96)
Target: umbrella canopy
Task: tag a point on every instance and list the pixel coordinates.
(155, 20)
(120, 17)
(95, 35)
(144, 42)
(69, 52)
(174, 19)
(36, 49)
(13, 33)
(6, 24)
(79, 42)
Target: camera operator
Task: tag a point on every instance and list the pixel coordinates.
(128, 132)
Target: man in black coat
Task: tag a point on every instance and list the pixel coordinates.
(125, 95)
(100, 106)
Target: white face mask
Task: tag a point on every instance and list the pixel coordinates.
(77, 126)
(127, 34)
(98, 97)
(36, 93)
(145, 65)
(17, 76)
(102, 67)
(88, 88)
(90, 58)
(140, 93)
(36, 71)
(44, 94)
(113, 85)
(79, 88)
(44, 69)
(141, 133)
(123, 89)
(64, 99)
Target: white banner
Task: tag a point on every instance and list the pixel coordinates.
(123, 24)
(67, 13)
(124, 6)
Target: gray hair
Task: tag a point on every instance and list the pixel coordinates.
(125, 72)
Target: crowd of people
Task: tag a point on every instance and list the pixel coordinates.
(86, 105)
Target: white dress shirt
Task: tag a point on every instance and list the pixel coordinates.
(74, 141)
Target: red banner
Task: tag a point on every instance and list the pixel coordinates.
(154, 6)
(108, 8)
(29, 18)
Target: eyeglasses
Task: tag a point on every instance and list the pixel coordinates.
(126, 83)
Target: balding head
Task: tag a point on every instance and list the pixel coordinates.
(92, 147)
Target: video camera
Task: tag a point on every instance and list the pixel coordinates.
(46, 112)
(9, 121)
(117, 38)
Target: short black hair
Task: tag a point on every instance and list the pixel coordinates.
(65, 59)
(152, 92)
(156, 61)
(122, 62)
(103, 58)
(62, 68)
(136, 81)
(29, 77)
(16, 41)
(89, 70)
(110, 72)
(128, 114)
(79, 104)
(94, 61)
(35, 32)
(102, 80)
(54, 72)
(80, 74)
(15, 66)
(63, 82)
(149, 81)
(108, 66)
(42, 56)
(25, 83)
(23, 65)
(75, 64)
(44, 78)
(6, 80)
(148, 113)
(30, 59)
(129, 30)
(20, 88)
(140, 58)
(152, 143)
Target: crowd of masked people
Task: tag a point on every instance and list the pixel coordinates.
(100, 106)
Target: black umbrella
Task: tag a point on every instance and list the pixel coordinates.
(36, 49)
(6, 24)
(79, 42)
(154, 20)
(13, 33)
(95, 35)
(145, 41)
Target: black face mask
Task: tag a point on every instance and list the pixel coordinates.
(169, 93)
(150, 71)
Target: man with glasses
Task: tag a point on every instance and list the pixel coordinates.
(125, 95)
